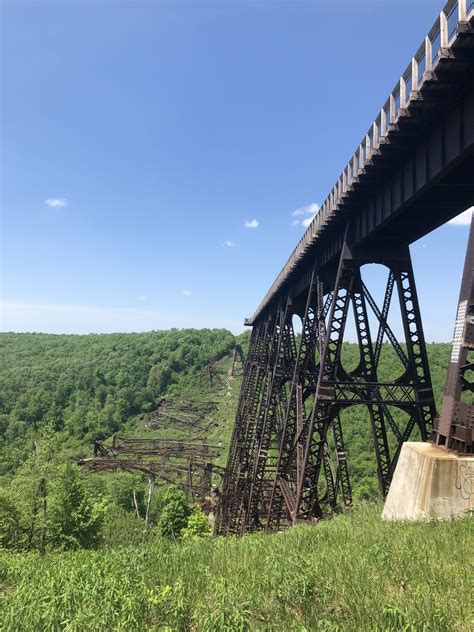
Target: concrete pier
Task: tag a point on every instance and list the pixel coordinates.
(430, 482)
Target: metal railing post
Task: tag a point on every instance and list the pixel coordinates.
(403, 87)
(375, 136)
(383, 121)
(392, 109)
(443, 30)
(414, 74)
(428, 55)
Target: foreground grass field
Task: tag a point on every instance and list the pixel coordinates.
(349, 573)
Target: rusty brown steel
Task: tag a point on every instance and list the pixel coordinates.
(454, 429)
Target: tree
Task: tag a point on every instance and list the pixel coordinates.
(75, 518)
(24, 504)
(159, 378)
(12, 534)
(174, 515)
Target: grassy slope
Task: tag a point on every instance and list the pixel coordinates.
(351, 573)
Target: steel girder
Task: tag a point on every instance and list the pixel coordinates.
(288, 460)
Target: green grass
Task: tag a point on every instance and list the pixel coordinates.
(350, 573)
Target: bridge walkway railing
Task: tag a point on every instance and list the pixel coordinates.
(454, 20)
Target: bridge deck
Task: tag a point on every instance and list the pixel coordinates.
(413, 169)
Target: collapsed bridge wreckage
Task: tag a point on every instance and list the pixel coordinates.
(187, 464)
(187, 460)
(182, 414)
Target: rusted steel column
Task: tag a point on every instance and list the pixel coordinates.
(454, 428)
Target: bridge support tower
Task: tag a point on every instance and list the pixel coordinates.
(288, 460)
(436, 479)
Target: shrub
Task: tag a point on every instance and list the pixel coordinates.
(198, 526)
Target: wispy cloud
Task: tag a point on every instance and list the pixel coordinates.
(305, 213)
(142, 299)
(311, 209)
(186, 292)
(251, 223)
(56, 202)
(464, 219)
(229, 244)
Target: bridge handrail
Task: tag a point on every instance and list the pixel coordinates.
(441, 36)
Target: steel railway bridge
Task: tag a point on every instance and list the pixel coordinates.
(412, 172)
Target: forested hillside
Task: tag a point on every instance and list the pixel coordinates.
(59, 394)
(89, 387)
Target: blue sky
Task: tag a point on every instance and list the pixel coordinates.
(139, 139)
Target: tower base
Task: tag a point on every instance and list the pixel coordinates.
(430, 482)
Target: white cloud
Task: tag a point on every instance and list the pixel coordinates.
(142, 299)
(311, 209)
(251, 223)
(186, 292)
(56, 202)
(307, 213)
(229, 244)
(464, 219)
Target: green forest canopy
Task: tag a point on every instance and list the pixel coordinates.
(60, 393)
(88, 387)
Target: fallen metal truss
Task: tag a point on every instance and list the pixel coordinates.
(182, 414)
(187, 464)
(288, 460)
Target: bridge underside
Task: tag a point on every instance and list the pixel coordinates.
(412, 186)
(288, 460)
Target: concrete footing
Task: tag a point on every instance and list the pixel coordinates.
(430, 482)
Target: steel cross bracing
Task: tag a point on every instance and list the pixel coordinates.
(288, 460)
